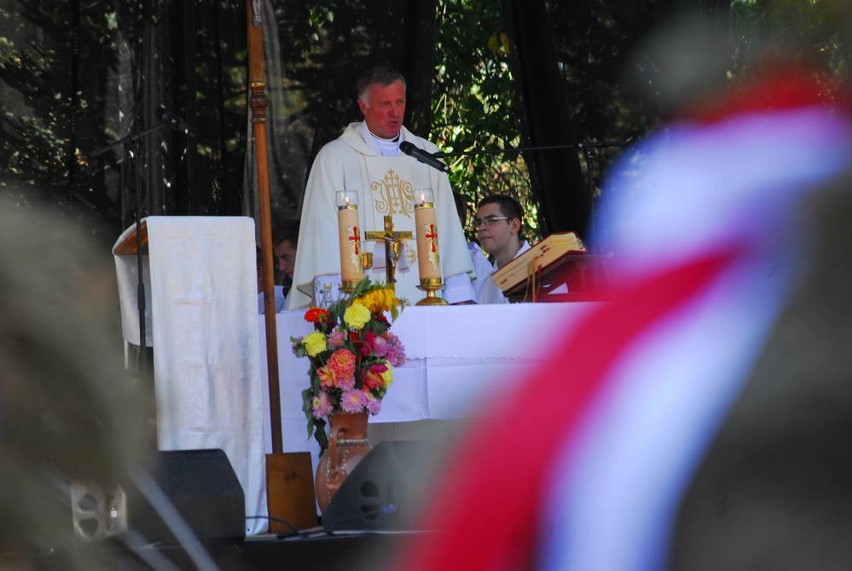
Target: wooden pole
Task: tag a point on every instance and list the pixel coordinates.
(258, 104)
(289, 477)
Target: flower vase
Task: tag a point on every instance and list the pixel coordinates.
(347, 446)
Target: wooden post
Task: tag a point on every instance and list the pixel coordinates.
(289, 477)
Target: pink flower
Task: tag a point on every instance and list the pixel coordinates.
(347, 383)
(380, 346)
(374, 405)
(336, 338)
(353, 400)
(321, 406)
(395, 353)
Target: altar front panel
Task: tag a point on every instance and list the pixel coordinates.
(458, 357)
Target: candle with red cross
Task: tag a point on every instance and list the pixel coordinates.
(428, 260)
(351, 270)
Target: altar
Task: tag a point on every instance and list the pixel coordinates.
(210, 377)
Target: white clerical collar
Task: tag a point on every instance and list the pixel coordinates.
(385, 147)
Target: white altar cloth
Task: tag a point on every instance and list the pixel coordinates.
(202, 292)
(458, 356)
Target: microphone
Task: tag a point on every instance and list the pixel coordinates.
(424, 157)
(174, 122)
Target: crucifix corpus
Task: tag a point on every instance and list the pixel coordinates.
(393, 247)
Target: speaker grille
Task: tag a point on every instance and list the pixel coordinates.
(382, 492)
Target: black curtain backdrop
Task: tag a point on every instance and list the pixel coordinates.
(320, 80)
(555, 175)
(418, 62)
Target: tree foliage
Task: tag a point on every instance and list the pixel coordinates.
(77, 76)
(815, 35)
(474, 104)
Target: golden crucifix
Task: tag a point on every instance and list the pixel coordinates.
(393, 247)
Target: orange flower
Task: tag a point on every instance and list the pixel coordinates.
(339, 372)
(375, 377)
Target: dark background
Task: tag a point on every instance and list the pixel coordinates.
(81, 83)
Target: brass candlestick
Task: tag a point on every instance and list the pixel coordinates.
(348, 286)
(430, 286)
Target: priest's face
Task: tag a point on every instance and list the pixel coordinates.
(383, 107)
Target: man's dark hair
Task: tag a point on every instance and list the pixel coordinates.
(508, 205)
(380, 75)
(288, 231)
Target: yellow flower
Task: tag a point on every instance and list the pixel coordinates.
(356, 316)
(314, 343)
(387, 376)
(379, 301)
(370, 300)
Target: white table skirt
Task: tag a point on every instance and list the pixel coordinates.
(457, 357)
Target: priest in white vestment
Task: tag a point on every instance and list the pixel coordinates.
(366, 158)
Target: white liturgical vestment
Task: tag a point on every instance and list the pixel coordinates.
(488, 292)
(386, 185)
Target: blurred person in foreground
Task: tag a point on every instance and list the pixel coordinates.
(67, 411)
(700, 419)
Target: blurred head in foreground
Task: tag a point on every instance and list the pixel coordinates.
(66, 410)
(714, 223)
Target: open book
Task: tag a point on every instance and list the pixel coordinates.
(544, 268)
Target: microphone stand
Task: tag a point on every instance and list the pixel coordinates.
(130, 144)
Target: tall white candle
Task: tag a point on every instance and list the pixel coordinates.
(349, 234)
(428, 259)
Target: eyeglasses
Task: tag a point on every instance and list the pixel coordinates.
(487, 221)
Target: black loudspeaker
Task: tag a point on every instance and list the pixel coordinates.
(383, 491)
(203, 488)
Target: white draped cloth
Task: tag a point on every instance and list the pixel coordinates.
(386, 185)
(207, 374)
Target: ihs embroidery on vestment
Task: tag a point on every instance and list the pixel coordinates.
(393, 195)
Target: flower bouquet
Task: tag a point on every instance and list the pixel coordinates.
(352, 354)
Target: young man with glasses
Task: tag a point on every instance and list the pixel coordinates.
(498, 227)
